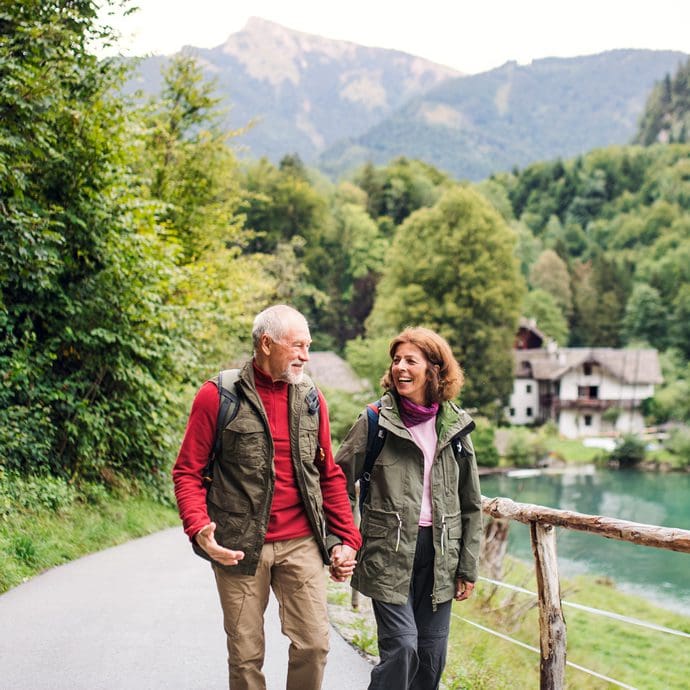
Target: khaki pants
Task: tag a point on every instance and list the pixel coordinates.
(294, 570)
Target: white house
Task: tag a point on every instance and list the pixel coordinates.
(586, 391)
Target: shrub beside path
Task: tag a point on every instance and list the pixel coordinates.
(143, 615)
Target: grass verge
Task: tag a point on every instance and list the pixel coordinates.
(45, 522)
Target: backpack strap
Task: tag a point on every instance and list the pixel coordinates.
(313, 401)
(228, 404)
(375, 440)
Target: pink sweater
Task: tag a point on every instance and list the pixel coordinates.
(424, 435)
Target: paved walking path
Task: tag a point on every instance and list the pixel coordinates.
(141, 616)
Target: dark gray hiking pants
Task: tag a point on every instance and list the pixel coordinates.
(412, 638)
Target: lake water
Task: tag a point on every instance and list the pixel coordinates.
(648, 497)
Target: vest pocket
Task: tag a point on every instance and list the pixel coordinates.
(245, 442)
(231, 521)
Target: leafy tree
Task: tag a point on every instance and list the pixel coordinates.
(192, 181)
(400, 188)
(542, 190)
(188, 165)
(452, 268)
(600, 295)
(575, 240)
(542, 307)
(671, 399)
(498, 196)
(528, 247)
(680, 323)
(591, 197)
(88, 346)
(645, 316)
(346, 264)
(280, 203)
(550, 274)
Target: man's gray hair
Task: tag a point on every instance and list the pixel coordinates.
(275, 321)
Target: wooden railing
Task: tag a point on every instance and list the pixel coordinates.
(542, 520)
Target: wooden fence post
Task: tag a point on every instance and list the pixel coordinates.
(552, 633)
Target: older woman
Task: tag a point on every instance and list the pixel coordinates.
(421, 518)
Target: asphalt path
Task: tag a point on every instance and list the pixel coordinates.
(144, 615)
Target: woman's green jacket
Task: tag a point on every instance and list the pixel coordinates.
(390, 514)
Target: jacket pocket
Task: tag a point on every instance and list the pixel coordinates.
(451, 534)
(381, 532)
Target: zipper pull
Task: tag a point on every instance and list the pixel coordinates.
(443, 534)
(397, 542)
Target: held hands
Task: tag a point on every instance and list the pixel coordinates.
(342, 562)
(207, 541)
(463, 589)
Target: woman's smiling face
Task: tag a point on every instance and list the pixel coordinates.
(408, 370)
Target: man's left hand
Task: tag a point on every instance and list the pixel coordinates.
(342, 562)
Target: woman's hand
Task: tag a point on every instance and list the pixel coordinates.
(463, 589)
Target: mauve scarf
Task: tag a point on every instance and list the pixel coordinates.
(412, 414)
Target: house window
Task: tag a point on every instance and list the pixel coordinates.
(512, 411)
(588, 392)
(528, 388)
(587, 368)
(588, 420)
(528, 411)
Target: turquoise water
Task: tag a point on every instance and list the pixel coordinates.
(656, 499)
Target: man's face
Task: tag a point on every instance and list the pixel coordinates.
(287, 356)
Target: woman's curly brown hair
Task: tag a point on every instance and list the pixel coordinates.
(444, 375)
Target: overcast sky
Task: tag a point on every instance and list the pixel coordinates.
(469, 36)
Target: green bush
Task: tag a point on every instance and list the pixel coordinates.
(525, 448)
(629, 451)
(484, 446)
(518, 451)
(679, 444)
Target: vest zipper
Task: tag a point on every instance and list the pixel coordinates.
(397, 541)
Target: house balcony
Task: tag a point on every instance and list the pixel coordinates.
(594, 404)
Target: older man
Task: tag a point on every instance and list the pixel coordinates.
(276, 508)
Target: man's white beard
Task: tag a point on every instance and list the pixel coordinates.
(292, 377)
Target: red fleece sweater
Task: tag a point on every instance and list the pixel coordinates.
(287, 519)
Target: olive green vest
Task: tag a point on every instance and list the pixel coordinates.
(239, 498)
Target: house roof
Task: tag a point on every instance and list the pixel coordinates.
(528, 335)
(629, 366)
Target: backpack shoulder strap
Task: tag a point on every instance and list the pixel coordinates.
(228, 404)
(375, 439)
(313, 400)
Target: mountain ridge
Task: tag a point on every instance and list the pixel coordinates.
(338, 104)
(515, 114)
(303, 92)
